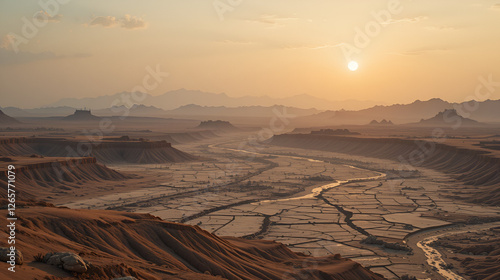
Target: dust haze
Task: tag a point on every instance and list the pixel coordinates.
(260, 154)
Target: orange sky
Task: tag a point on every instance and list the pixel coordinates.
(424, 49)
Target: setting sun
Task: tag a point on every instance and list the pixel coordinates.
(231, 139)
(353, 66)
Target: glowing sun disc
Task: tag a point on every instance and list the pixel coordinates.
(353, 66)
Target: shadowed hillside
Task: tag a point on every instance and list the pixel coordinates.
(107, 151)
(38, 177)
(7, 120)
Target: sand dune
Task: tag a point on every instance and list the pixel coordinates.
(471, 167)
(141, 245)
(109, 151)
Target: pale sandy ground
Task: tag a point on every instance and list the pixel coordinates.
(235, 194)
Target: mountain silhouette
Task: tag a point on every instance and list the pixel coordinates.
(448, 117)
(7, 120)
(177, 98)
(81, 115)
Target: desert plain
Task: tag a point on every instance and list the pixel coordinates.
(318, 194)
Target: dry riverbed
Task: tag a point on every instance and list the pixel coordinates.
(301, 198)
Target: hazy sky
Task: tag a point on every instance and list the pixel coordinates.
(86, 48)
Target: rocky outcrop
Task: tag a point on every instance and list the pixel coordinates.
(82, 115)
(383, 122)
(447, 117)
(66, 260)
(216, 125)
(5, 257)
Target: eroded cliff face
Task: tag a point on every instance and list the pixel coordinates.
(36, 178)
(16, 146)
(104, 151)
(55, 163)
(472, 167)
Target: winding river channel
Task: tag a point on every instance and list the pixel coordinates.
(434, 258)
(316, 191)
(421, 240)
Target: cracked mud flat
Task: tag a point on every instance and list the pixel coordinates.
(271, 195)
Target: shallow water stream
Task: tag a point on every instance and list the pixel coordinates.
(316, 191)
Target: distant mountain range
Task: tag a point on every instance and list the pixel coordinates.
(187, 111)
(244, 111)
(485, 111)
(39, 112)
(177, 98)
(135, 110)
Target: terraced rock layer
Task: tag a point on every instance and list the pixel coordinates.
(36, 177)
(105, 151)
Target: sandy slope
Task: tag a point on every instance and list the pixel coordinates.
(119, 243)
(39, 177)
(7, 120)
